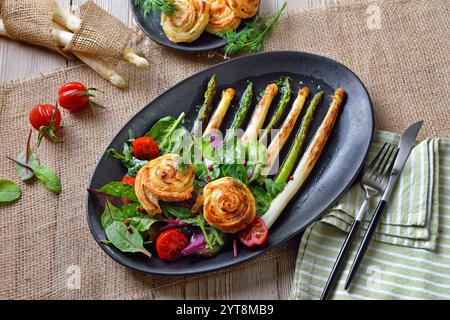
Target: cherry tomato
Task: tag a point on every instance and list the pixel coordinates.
(170, 243)
(74, 96)
(128, 180)
(255, 234)
(46, 118)
(145, 148)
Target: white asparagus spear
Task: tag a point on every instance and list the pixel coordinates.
(2, 29)
(73, 23)
(63, 38)
(219, 114)
(307, 161)
(288, 125)
(259, 115)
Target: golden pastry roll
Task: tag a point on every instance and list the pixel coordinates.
(164, 178)
(188, 22)
(228, 205)
(244, 8)
(221, 18)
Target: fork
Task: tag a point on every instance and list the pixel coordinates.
(374, 181)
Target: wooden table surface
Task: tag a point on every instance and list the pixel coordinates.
(269, 280)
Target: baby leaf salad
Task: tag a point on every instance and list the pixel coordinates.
(194, 191)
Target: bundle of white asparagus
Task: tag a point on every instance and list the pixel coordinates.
(64, 25)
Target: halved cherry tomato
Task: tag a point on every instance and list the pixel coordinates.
(145, 148)
(170, 243)
(74, 96)
(128, 180)
(255, 234)
(46, 118)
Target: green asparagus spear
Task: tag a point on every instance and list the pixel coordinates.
(294, 152)
(281, 108)
(205, 110)
(241, 114)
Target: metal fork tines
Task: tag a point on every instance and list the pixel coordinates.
(374, 181)
(376, 176)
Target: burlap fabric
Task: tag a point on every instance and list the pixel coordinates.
(100, 34)
(29, 21)
(405, 65)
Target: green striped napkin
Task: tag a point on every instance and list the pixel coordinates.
(389, 270)
(407, 220)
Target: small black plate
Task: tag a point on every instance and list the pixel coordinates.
(152, 28)
(335, 171)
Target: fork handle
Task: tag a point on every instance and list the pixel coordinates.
(359, 216)
(365, 242)
(335, 272)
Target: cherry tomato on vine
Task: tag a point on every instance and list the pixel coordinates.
(145, 148)
(75, 96)
(255, 234)
(46, 118)
(170, 243)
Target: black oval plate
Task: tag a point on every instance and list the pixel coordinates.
(336, 169)
(152, 28)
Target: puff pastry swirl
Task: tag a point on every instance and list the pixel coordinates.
(228, 205)
(188, 22)
(221, 17)
(164, 178)
(244, 8)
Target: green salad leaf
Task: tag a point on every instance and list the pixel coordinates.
(176, 211)
(124, 240)
(48, 178)
(128, 212)
(170, 134)
(236, 170)
(9, 191)
(25, 173)
(119, 190)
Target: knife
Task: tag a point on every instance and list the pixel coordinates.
(407, 142)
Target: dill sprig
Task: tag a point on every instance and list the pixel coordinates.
(167, 7)
(251, 38)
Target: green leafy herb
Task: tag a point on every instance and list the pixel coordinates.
(126, 158)
(176, 211)
(264, 193)
(27, 157)
(251, 38)
(124, 240)
(128, 212)
(169, 139)
(25, 173)
(262, 200)
(119, 190)
(167, 7)
(9, 191)
(235, 170)
(48, 178)
(256, 152)
(203, 172)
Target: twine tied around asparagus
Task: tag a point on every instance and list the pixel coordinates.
(44, 23)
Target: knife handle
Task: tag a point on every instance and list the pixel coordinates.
(365, 242)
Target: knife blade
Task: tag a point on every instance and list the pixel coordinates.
(407, 142)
